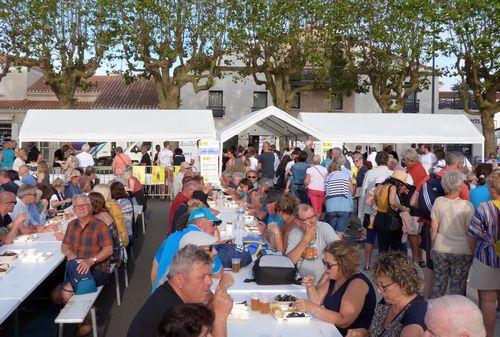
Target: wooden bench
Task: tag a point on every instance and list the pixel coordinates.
(77, 308)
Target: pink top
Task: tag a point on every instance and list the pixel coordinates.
(120, 162)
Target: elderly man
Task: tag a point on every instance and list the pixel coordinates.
(307, 242)
(146, 158)
(188, 282)
(27, 204)
(257, 206)
(84, 157)
(25, 176)
(6, 183)
(453, 316)
(200, 220)
(9, 228)
(73, 188)
(177, 185)
(88, 245)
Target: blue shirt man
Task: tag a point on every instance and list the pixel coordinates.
(200, 219)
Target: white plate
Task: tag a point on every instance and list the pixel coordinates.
(26, 238)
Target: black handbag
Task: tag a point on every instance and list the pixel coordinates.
(393, 223)
(274, 269)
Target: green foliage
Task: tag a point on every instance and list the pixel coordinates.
(173, 42)
(390, 42)
(66, 39)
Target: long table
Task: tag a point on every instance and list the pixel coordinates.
(24, 277)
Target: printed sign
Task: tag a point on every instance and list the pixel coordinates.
(209, 147)
(140, 173)
(157, 174)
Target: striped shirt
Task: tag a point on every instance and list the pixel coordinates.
(484, 227)
(337, 184)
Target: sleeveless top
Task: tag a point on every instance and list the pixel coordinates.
(332, 301)
(8, 156)
(383, 199)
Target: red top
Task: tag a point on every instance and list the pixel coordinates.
(137, 184)
(179, 199)
(417, 173)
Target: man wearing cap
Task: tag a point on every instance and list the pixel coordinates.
(73, 188)
(26, 203)
(183, 208)
(200, 220)
(177, 186)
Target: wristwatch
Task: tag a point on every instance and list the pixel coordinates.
(94, 259)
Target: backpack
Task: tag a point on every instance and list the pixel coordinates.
(119, 252)
(431, 190)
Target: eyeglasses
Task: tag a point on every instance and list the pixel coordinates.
(327, 264)
(11, 202)
(252, 177)
(81, 206)
(307, 219)
(32, 194)
(383, 287)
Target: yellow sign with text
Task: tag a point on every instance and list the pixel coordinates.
(140, 173)
(157, 175)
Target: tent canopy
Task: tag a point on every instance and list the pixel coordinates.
(393, 128)
(272, 119)
(117, 125)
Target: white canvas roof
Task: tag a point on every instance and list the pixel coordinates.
(272, 119)
(393, 128)
(117, 125)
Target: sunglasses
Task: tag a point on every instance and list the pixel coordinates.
(252, 177)
(327, 264)
(383, 287)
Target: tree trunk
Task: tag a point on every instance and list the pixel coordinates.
(281, 97)
(169, 96)
(488, 123)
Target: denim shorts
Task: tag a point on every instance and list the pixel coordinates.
(338, 220)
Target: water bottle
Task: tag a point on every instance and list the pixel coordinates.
(221, 200)
(240, 217)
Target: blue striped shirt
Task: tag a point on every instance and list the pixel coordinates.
(484, 227)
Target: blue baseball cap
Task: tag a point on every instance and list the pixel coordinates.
(203, 213)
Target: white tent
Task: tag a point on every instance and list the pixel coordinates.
(272, 119)
(394, 128)
(116, 125)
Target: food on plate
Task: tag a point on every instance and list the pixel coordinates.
(296, 314)
(4, 267)
(285, 298)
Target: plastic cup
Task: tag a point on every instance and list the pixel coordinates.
(235, 263)
(255, 302)
(264, 304)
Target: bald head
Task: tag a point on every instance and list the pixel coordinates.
(23, 170)
(7, 202)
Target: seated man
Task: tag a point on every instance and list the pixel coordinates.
(27, 203)
(89, 242)
(6, 183)
(26, 177)
(181, 200)
(9, 228)
(200, 220)
(187, 320)
(307, 243)
(188, 282)
(453, 316)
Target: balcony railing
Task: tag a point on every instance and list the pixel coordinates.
(412, 107)
(455, 103)
(217, 111)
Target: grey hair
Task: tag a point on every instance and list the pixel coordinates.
(186, 258)
(410, 154)
(85, 147)
(337, 150)
(227, 174)
(104, 190)
(266, 182)
(81, 196)
(316, 160)
(358, 156)
(24, 190)
(452, 181)
(463, 314)
(454, 158)
(252, 171)
(336, 163)
(237, 175)
(300, 209)
(127, 170)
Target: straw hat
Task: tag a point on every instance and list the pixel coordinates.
(401, 176)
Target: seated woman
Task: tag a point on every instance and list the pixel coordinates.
(114, 210)
(58, 201)
(134, 186)
(348, 299)
(119, 194)
(402, 310)
(245, 191)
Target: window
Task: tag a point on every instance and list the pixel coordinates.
(337, 103)
(45, 149)
(259, 100)
(5, 132)
(412, 104)
(215, 99)
(215, 102)
(296, 101)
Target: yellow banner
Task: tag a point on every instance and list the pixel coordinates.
(140, 173)
(157, 174)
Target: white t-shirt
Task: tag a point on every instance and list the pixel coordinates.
(195, 156)
(318, 174)
(439, 166)
(165, 157)
(84, 160)
(371, 158)
(253, 163)
(428, 160)
(289, 166)
(17, 162)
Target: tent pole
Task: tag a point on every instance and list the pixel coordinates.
(482, 152)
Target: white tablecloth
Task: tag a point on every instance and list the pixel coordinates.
(7, 307)
(23, 277)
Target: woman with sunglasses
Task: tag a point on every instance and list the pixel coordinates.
(402, 310)
(348, 298)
